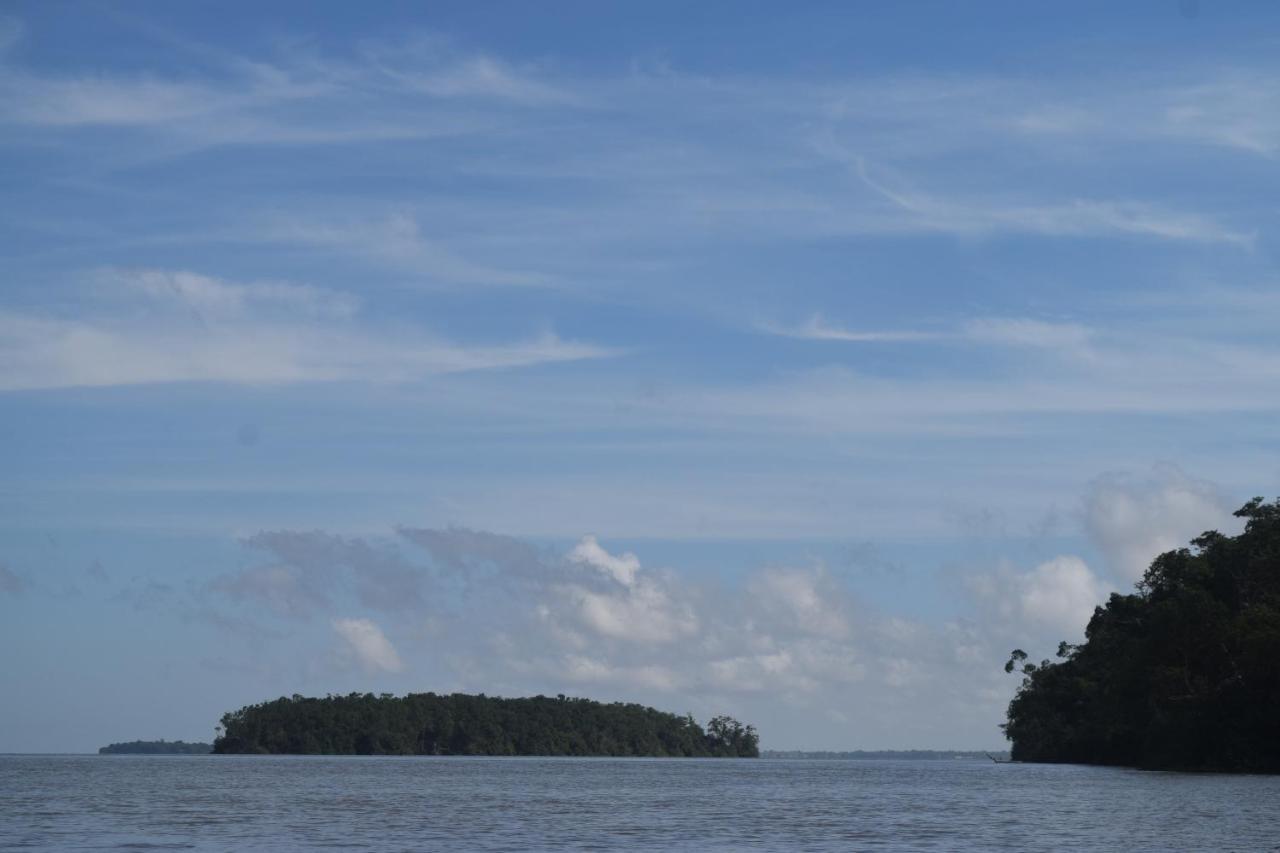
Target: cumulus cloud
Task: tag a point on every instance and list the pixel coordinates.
(806, 599)
(1062, 593)
(1052, 601)
(636, 607)
(525, 619)
(1134, 518)
(622, 568)
(370, 646)
(588, 670)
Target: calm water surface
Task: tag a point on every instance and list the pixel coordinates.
(395, 804)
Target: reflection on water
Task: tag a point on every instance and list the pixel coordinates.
(385, 804)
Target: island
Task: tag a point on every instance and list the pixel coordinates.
(156, 747)
(1183, 674)
(887, 755)
(463, 724)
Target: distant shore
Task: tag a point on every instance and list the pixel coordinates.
(156, 747)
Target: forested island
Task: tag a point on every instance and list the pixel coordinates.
(886, 755)
(1183, 674)
(462, 724)
(156, 747)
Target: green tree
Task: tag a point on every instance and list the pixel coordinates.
(461, 724)
(1183, 673)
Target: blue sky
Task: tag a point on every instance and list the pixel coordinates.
(796, 363)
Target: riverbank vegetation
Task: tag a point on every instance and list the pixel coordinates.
(1182, 674)
(461, 724)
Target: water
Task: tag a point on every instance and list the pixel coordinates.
(398, 804)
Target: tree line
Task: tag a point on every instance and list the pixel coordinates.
(156, 747)
(1182, 674)
(462, 724)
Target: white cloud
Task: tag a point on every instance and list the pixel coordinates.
(1074, 217)
(486, 77)
(1025, 332)
(397, 242)
(1052, 601)
(818, 329)
(370, 645)
(103, 100)
(644, 612)
(992, 331)
(807, 599)
(215, 297)
(579, 668)
(641, 608)
(1061, 593)
(1232, 108)
(753, 673)
(622, 568)
(1135, 518)
(771, 644)
(220, 331)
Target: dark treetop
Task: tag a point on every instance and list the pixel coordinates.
(156, 747)
(459, 724)
(1183, 674)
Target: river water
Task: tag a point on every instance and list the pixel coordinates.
(400, 804)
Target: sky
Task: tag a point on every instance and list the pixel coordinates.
(791, 361)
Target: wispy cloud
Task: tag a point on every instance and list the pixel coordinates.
(243, 92)
(1072, 338)
(199, 328)
(1073, 217)
(1230, 108)
(1067, 338)
(218, 298)
(816, 328)
(105, 101)
(480, 77)
(395, 242)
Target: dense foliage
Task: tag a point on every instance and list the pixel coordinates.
(1183, 674)
(886, 755)
(459, 724)
(156, 747)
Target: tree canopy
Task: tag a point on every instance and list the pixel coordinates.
(156, 747)
(1182, 674)
(461, 724)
